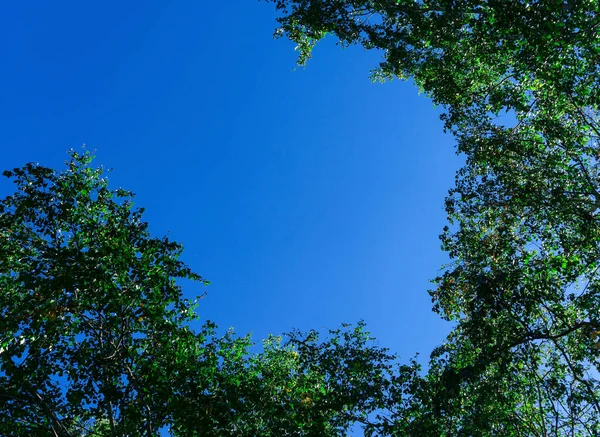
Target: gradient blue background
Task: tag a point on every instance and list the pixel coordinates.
(308, 197)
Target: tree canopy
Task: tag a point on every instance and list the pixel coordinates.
(90, 306)
(518, 82)
(96, 335)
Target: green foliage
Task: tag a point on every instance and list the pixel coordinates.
(299, 385)
(519, 82)
(89, 303)
(94, 329)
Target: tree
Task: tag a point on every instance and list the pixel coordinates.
(299, 385)
(519, 84)
(89, 301)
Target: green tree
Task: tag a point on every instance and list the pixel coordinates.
(298, 385)
(519, 84)
(89, 301)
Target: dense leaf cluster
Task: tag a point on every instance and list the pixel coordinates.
(89, 307)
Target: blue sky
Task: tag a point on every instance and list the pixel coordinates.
(308, 197)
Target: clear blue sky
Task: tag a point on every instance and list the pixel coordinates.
(308, 197)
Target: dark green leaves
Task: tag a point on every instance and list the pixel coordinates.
(89, 299)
